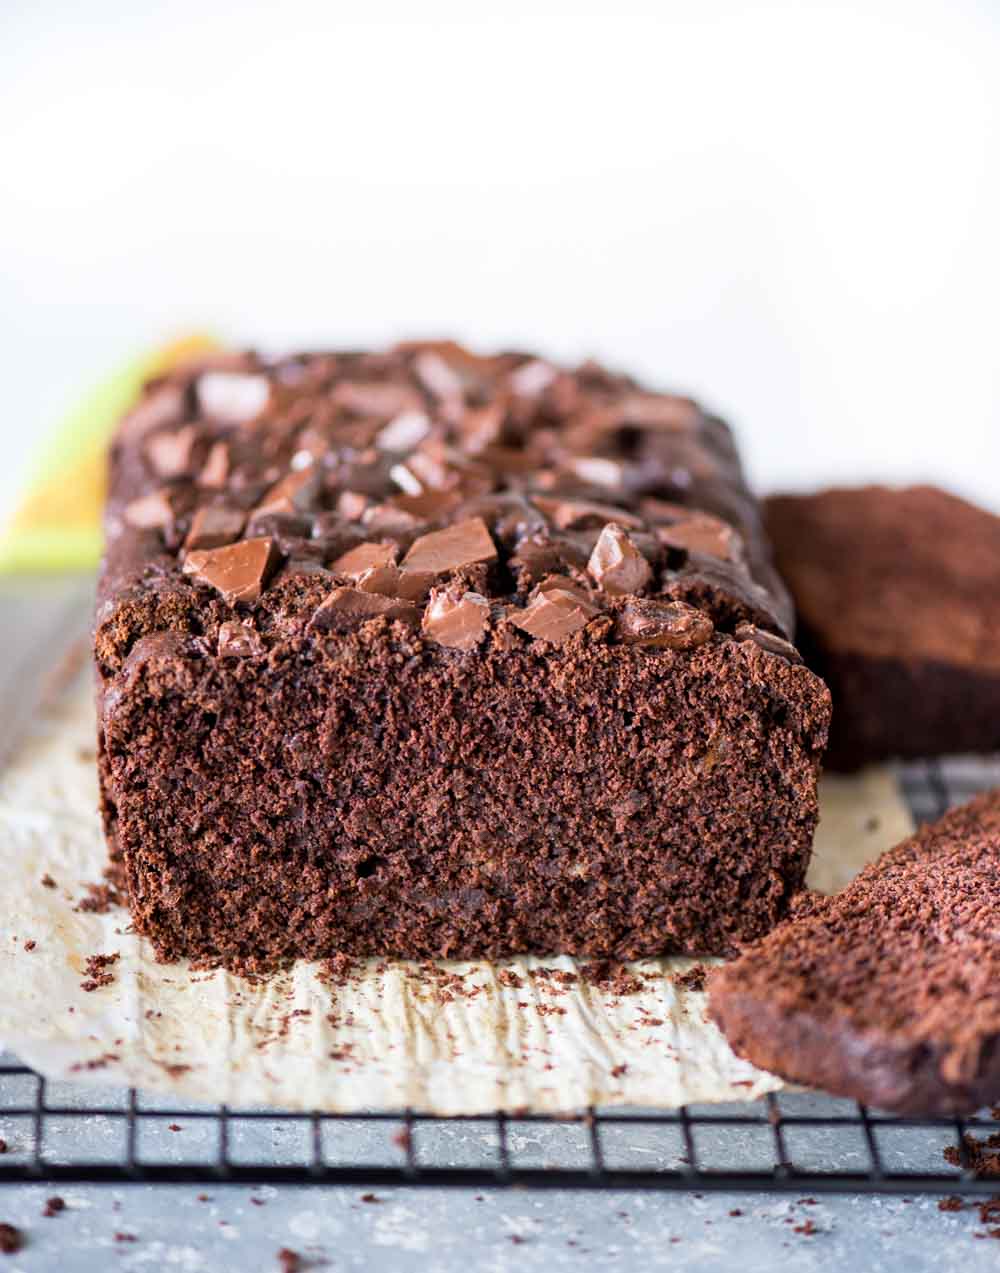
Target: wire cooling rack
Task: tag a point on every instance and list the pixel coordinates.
(803, 1143)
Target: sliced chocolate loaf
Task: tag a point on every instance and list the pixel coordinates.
(888, 992)
(423, 653)
(898, 597)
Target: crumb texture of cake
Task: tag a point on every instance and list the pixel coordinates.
(898, 611)
(888, 992)
(427, 653)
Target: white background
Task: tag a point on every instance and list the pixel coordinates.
(790, 209)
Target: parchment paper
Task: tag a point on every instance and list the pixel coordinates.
(447, 1038)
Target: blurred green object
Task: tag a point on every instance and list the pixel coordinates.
(57, 527)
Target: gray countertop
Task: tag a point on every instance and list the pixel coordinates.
(182, 1228)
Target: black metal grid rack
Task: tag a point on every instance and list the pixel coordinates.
(790, 1143)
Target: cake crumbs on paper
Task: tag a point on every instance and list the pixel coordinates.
(47, 881)
(100, 899)
(289, 1261)
(30, 945)
(96, 969)
(693, 979)
(606, 975)
(98, 1063)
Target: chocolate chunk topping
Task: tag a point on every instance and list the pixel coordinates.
(463, 544)
(377, 399)
(213, 526)
(239, 571)
(215, 471)
(667, 625)
(390, 581)
(703, 533)
(457, 620)
(237, 640)
(171, 454)
(575, 514)
(404, 432)
(366, 556)
(616, 564)
(346, 608)
(437, 377)
(553, 615)
(159, 406)
(541, 554)
(351, 505)
(661, 411)
(429, 505)
(292, 493)
(232, 396)
(150, 512)
(768, 641)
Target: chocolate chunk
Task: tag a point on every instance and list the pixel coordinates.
(235, 397)
(438, 378)
(239, 571)
(575, 514)
(403, 432)
(456, 619)
(553, 615)
(150, 512)
(376, 399)
(563, 583)
(172, 454)
(617, 565)
(237, 640)
(532, 378)
(703, 533)
(291, 494)
(509, 515)
(386, 519)
(428, 505)
(456, 546)
(161, 405)
(351, 505)
(598, 470)
(663, 511)
(357, 560)
(667, 625)
(213, 526)
(541, 554)
(481, 427)
(302, 566)
(215, 471)
(660, 411)
(390, 581)
(346, 608)
(768, 641)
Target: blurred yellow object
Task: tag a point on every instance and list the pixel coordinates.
(58, 524)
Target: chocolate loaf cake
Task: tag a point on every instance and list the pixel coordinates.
(898, 610)
(423, 653)
(888, 992)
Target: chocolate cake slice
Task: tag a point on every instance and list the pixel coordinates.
(899, 609)
(888, 992)
(424, 653)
